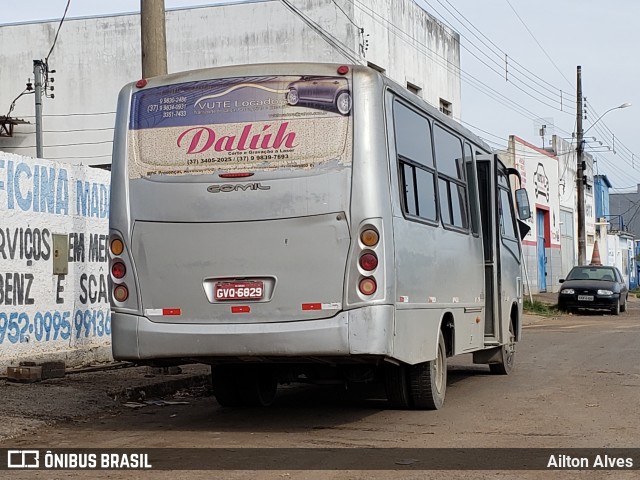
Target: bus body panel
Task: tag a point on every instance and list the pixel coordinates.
(207, 198)
(362, 332)
(299, 262)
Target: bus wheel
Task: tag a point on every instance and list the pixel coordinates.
(225, 386)
(257, 387)
(428, 380)
(507, 355)
(396, 385)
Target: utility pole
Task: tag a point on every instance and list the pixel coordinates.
(582, 247)
(38, 74)
(153, 38)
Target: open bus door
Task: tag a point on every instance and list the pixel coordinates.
(501, 234)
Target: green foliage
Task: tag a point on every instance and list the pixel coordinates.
(540, 308)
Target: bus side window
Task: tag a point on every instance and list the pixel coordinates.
(507, 223)
(473, 188)
(415, 162)
(452, 184)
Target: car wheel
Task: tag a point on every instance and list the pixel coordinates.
(292, 97)
(616, 310)
(343, 103)
(623, 307)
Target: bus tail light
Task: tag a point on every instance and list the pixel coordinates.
(367, 264)
(369, 261)
(369, 237)
(118, 270)
(120, 293)
(368, 286)
(117, 247)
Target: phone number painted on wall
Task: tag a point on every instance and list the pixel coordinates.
(48, 326)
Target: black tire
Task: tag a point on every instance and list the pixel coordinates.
(225, 386)
(623, 307)
(616, 310)
(428, 380)
(257, 387)
(507, 355)
(396, 385)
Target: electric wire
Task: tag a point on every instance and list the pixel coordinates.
(330, 39)
(498, 51)
(539, 44)
(46, 60)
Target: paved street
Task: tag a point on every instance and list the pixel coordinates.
(576, 384)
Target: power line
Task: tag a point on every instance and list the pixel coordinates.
(502, 57)
(46, 60)
(348, 18)
(26, 91)
(330, 39)
(539, 44)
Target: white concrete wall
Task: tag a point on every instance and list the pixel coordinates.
(567, 164)
(539, 172)
(44, 315)
(95, 57)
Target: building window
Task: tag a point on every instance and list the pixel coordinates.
(446, 108)
(413, 88)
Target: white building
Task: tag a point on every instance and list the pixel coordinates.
(94, 57)
(550, 248)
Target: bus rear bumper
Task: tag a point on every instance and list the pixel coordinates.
(363, 331)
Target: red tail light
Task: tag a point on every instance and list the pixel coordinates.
(369, 261)
(368, 286)
(121, 293)
(118, 270)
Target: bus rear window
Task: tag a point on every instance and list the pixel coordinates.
(240, 124)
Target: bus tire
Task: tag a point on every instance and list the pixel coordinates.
(225, 386)
(428, 380)
(257, 387)
(396, 385)
(507, 355)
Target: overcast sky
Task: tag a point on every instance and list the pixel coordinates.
(519, 60)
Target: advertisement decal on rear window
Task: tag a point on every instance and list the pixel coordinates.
(240, 124)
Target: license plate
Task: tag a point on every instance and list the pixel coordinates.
(585, 298)
(239, 291)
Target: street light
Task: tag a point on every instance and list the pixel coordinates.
(624, 105)
(582, 246)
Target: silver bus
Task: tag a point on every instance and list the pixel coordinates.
(308, 222)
